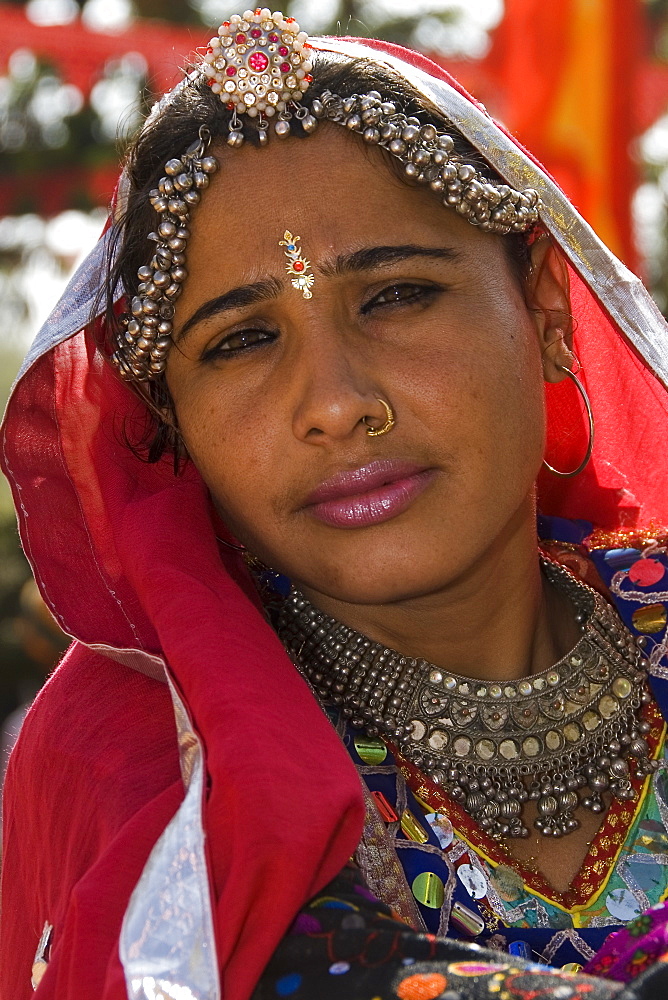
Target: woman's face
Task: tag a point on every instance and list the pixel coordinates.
(410, 304)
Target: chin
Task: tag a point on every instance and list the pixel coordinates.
(384, 585)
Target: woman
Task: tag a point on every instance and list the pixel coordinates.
(320, 371)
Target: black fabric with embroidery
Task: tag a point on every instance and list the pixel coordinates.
(346, 945)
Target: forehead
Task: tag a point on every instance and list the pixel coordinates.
(328, 189)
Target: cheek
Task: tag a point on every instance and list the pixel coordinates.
(234, 447)
(475, 380)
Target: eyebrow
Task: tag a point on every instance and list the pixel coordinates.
(367, 259)
(370, 258)
(236, 298)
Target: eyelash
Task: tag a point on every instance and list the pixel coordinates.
(222, 351)
(419, 294)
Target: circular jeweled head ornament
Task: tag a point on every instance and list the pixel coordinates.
(258, 62)
(259, 65)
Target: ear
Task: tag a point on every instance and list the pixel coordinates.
(547, 294)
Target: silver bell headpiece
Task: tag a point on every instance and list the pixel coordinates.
(259, 64)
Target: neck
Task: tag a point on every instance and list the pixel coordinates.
(497, 620)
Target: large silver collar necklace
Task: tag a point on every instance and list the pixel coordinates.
(562, 737)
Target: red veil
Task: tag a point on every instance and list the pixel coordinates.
(178, 855)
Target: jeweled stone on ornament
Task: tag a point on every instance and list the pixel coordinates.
(431, 703)
(435, 676)
(369, 750)
(438, 739)
(442, 827)
(552, 678)
(575, 660)
(418, 729)
(298, 265)
(539, 683)
(572, 732)
(258, 62)
(510, 691)
(481, 692)
(525, 687)
(485, 749)
(507, 882)
(621, 558)
(464, 688)
(473, 881)
(622, 904)
(412, 829)
(608, 706)
(450, 683)
(494, 716)
(462, 746)
(553, 739)
(622, 687)
(509, 750)
(531, 746)
(525, 715)
(650, 619)
(429, 890)
(591, 721)
(495, 691)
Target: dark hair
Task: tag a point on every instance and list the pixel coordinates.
(176, 125)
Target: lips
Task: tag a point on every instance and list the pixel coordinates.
(369, 495)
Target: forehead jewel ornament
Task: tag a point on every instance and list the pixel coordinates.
(297, 266)
(259, 64)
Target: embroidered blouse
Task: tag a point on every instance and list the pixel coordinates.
(461, 883)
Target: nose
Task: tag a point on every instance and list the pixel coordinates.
(335, 389)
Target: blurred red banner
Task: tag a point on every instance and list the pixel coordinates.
(79, 55)
(575, 82)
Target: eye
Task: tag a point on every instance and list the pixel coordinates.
(237, 342)
(404, 294)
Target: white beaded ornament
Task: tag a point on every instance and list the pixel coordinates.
(258, 63)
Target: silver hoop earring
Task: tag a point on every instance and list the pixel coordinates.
(585, 398)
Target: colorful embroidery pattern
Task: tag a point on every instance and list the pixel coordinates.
(356, 948)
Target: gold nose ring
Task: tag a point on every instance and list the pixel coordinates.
(390, 421)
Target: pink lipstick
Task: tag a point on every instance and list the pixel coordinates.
(370, 495)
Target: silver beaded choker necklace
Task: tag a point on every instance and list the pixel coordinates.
(562, 737)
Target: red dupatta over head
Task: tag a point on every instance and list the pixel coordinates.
(126, 557)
